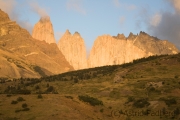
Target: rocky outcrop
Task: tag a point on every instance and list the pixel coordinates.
(154, 45)
(73, 48)
(108, 50)
(18, 41)
(43, 30)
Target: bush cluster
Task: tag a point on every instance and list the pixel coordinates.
(14, 102)
(19, 99)
(92, 101)
(169, 101)
(140, 103)
(40, 96)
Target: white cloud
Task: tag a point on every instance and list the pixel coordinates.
(38, 9)
(8, 6)
(116, 3)
(122, 20)
(156, 19)
(164, 24)
(131, 7)
(15, 14)
(76, 5)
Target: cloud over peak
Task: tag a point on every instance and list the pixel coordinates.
(118, 4)
(38, 9)
(176, 4)
(156, 19)
(76, 5)
(166, 25)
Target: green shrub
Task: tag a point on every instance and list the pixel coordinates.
(24, 105)
(92, 101)
(19, 99)
(40, 71)
(37, 87)
(40, 96)
(176, 76)
(50, 89)
(170, 101)
(177, 111)
(101, 110)
(25, 92)
(75, 80)
(8, 95)
(110, 107)
(130, 99)
(140, 103)
(14, 102)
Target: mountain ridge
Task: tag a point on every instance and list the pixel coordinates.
(39, 53)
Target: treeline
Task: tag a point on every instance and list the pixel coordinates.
(86, 74)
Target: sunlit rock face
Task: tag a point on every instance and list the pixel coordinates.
(108, 50)
(73, 48)
(19, 53)
(43, 30)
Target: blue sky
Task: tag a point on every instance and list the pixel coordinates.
(94, 18)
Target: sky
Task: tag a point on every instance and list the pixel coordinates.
(93, 18)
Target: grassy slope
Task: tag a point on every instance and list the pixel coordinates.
(155, 80)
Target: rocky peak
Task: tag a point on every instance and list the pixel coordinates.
(131, 36)
(8, 27)
(153, 45)
(73, 48)
(76, 33)
(43, 30)
(67, 32)
(143, 33)
(4, 16)
(120, 36)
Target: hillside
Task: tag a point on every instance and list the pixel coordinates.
(147, 88)
(14, 66)
(18, 41)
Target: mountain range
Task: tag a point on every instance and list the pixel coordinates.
(23, 55)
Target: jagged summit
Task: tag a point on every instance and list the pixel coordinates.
(74, 50)
(131, 36)
(43, 30)
(109, 50)
(67, 32)
(146, 35)
(120, 36)
(76, 33)
(3, 16)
